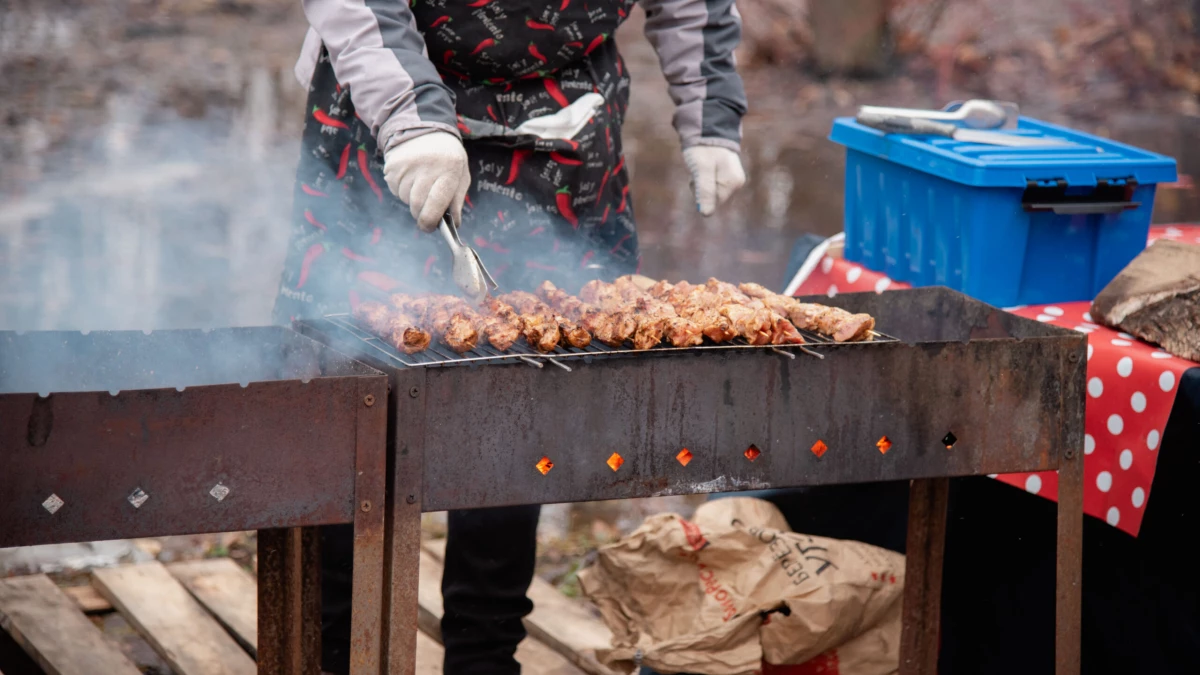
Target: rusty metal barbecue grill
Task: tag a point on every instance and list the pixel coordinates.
(963, 389)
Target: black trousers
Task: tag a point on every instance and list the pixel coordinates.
(489, 565)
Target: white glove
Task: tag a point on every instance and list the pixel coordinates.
(716, 174)
(431, 175)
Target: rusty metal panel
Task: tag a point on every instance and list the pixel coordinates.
(1003, 400)
(89, 465)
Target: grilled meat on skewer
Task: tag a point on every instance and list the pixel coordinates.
(654, 319)
(541, 331)
(834, 322)
(399, 330)
(601, 325)
(572, 334)
(448, 318)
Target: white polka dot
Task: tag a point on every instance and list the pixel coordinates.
(993, 475)
(1159, 355)
(1152, 439)
(1174, 232)
(1113, 517)
(853, 274)
(1095, 387)
(1044, 318)
(1014, 308)
(1126, 459)
(1053, 311)
(1121, 343)
(1138, 498)
(1084, 329)
(1087, 316)
(1125, 366)
(1138, 401)
(1115, 424)
(1104, 481)
(882, 284)
(826, 264)
(1089, 352)
(1127, 336)
(1089, 444)
(1033, 483)
(1166, 381)
(832, 290)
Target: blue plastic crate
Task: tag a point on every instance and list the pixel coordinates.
(1007, 225)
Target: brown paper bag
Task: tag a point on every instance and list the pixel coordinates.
(736, 589)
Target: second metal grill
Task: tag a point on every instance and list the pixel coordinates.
(440, 355)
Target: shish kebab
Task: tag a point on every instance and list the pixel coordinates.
(616, 313)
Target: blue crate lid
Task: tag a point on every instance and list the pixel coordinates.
(1081, 160)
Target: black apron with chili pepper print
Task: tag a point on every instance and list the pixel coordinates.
(537, 209)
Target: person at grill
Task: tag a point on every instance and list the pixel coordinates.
(508, 118)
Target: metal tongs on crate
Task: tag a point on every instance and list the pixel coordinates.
(469, 273)
(976, 116)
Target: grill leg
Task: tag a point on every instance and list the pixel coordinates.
(370, 493)
(406, 468)
(924, 552)
(1068, 601)
(289, 601)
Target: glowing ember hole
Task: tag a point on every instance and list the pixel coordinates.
(752, 453)
(684, 457)
(949, 440)
(819, 448)
(884, 444)
(615, 461)
(544, 465)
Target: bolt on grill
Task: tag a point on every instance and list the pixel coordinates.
(440, 355)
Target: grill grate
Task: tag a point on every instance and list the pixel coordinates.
(437, 355)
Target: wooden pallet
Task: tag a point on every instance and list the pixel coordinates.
(201, 618)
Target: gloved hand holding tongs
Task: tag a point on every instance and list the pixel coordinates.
(430, 174)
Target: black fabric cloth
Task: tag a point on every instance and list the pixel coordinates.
(490, 556)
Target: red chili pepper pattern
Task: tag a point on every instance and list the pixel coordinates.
(312, 220)
(482, 46)
(536, 54)
(514, 168)
(328, 121)
(555, 92)
(445, 18)
(563, 159)
(355, 256)
(310, 256)
(538, 25)
(563, 201)
(596, 42)
(600, 194)
(343, 162)
(311, 192)
(364, 166)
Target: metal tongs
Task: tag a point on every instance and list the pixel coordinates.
(469, 273)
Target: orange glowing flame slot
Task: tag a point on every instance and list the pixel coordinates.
(684, 457)
(884, 444)
(544, 465)
(752, 453)
(615, 461)
(819, 448)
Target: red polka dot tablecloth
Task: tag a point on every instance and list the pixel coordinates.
(1130, 391)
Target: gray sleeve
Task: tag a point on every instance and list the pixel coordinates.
(376, 50)
(695, 40)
